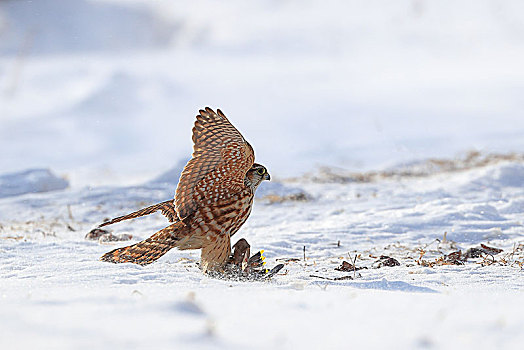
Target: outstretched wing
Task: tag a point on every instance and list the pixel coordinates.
(167, 208)
(221, 159)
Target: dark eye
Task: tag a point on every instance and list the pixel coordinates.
(261, 171)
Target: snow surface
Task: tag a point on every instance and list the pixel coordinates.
(104, 94)
(56, 293)
(30, 181)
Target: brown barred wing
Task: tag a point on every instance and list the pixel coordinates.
(167, 208)
(151, 249)
(221, 157)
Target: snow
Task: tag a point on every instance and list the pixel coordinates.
(30, 181)
(55, 291)
(365, 114)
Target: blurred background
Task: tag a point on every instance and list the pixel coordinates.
(105, 92)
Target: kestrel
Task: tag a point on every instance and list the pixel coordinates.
(212, 201)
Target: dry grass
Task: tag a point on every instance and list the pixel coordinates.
(472, 159)
(296, 197)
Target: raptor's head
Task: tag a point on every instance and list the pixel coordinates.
(256, 175)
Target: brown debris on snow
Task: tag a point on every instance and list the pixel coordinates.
(348, 277)
(345, 266)
(491, 250)
(104, 236)
(115, 238)
(295, 197)
(348, 267)
(95, 234)
(455, 258)
(385, 260)
(460, 258)
(470, 160)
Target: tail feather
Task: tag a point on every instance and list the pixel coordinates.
(151, 249)
(167, 208)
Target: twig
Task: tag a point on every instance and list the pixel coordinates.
(288, 259)
(333, 279)
(304, 253)
(322, 277)
(355, 266)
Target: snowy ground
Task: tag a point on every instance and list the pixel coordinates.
(344, 102)
(55, 292)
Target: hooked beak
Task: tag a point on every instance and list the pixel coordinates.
(267, 177)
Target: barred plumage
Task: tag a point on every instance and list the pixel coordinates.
(167, 208)
(212, 201)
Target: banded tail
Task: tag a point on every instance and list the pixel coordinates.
(167, 208)
(151, 249)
